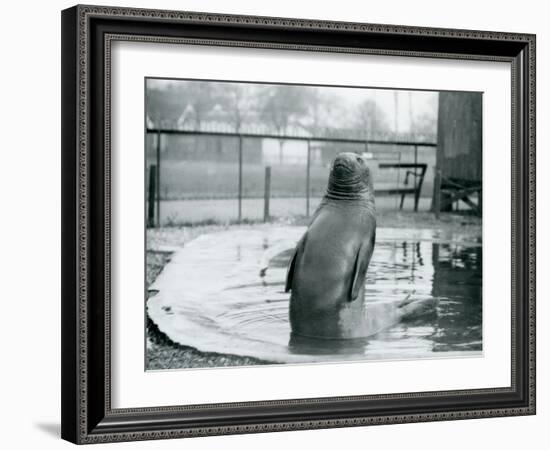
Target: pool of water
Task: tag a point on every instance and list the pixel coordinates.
(224, 293)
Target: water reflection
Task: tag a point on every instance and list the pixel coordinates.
(457, 280)
(225, 294)
(306, 345)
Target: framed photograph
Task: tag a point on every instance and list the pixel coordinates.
(279, 224)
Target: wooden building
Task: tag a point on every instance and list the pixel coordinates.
(459, 152)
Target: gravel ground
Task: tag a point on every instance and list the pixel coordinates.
(162, 353)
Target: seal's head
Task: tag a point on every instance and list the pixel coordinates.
(349, 177)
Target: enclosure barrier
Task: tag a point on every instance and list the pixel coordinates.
(152, 197)
(267, 193)
(418, 176)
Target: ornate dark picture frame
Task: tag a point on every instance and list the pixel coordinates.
(87, 34)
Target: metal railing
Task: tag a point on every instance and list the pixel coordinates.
(418, 177)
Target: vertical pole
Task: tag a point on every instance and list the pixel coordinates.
(435, 258)
(151, 196)
(240, 178)
(158, 178)
(267, 192)
(419, 187)
(397, 183)
(437, 193)
(308, 175)
(416, 194)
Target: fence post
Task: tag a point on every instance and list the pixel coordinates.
(308, 175)
(158, 178)
(267, 193)
(240, 178)
(437, 193)
(416, 194)
(151, 196)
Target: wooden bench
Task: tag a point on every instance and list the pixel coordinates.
(418, 179)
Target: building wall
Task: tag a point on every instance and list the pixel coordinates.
(459, 136)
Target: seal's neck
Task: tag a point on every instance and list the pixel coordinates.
(354, 192)
(362, 199)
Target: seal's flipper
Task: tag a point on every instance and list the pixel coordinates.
(273, 251)
(290, 271)
(292, 264)
(361, 265)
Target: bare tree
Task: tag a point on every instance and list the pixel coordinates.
(238, 104)
(201, 97)
(323, 110)
(426, 123)
(370, 119)
(281, 106)
(180, 102)
(162, 103)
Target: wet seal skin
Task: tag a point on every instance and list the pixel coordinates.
(326, 274)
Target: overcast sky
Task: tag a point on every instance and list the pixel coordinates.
(410, 104)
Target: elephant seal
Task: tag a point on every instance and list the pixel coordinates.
(327, 272)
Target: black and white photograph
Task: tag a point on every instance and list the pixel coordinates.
(275, 225)
(299, 224)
